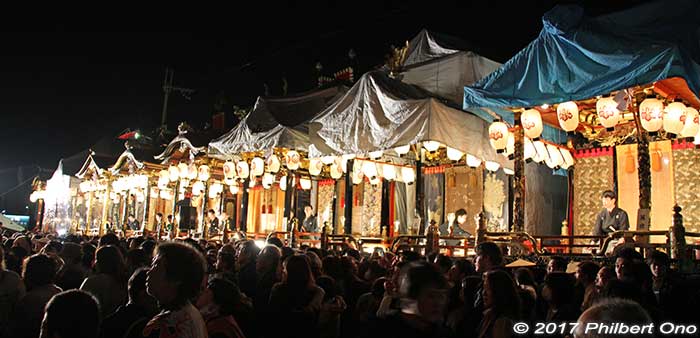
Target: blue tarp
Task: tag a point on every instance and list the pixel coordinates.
(577, 57)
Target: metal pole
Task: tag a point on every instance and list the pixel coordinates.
(167, 85)
(348, 198)
(518, 175)
(244, 206)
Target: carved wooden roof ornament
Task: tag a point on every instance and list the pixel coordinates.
(126, 158)
(180, 144)
(89, 166)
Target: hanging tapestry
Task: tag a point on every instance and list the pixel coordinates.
(593, 174)
(687, 183)
(464, 189)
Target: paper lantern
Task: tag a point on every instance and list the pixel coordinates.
(568, 158)
(233, 189)
(431, 145)
(203, 172)
(697, 138)
(376, 154)
(541, 151)
(369, 169)
(229, 169)
(408, 175)
(327, 159)
(315, 166)
(528, 149)
(375, 180)
(454, 154)
(305, 183)
(163, 182)
(531, 120)
(608, 114)
(491, 166)
(197, 188)
(508, 171)
(692, 123)
(567, 114)
(555, 157)
(510, 144)
(651, 112)
(293, 160)
(216, 188)
(283, 183)
(257, 166)
(674, 118)
(402, 150)
(389, 172)
(166, 195)
(267, 180)
(357, 173)
(498, 136)
(173, 173)
(229, 181)
(473, 161)
(336, 171)
(192, 172)
(242, 169)
(182, 167)
(273, 163)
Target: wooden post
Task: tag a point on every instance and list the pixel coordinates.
(420, 192)
(88, 213)
(518, 176)
(348, 198)
(244, 206)
(205, 205)
(176, 225)
(481, 228)
(432, 238)
(677, 240)
(334, 223)
(105, 203)
(146, 206)
(324, 236)
(644, 170)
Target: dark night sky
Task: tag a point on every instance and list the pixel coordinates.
(71, 79)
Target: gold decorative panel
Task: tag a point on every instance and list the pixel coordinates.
(464, 188)
(495, 198)
(627, 182)
(593, 174)
(372, 209)
(687, 184)
(324, 209)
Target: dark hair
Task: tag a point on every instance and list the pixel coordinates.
(506, 300)
(659, 258)
(170, 216)
(490, 250)
(378, 287)
(609, 194)
(225, 294)
(137, 282)
(109, 239)
(54, 246)
(610, 311)
(460, 212)
(561, 287)
(332, 267)
(589, 271)
(410, 256)
(630, 253)
(159, 214)
(298, 276)
(109, 260)
(329, 287)
(211, 211)
(183, 264)
(559, 263)
(131, 215)
(88, 254)
(622, 289)
(524, 276)
(443, 262)
(267, 263)
(62, 320)
(464, 266)
(38, 270)
(416, 276)
(148, 246)
(276, 242)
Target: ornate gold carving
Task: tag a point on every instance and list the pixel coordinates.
(494, 198)
(592, 176)
(686, 184)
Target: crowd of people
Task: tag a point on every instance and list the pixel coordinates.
(139, 287)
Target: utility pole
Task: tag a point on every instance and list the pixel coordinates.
(167, 88)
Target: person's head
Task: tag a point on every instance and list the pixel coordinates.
(558, 289)
(109, 260)
(500, 294)
(586, 273)
(247, 252)
(308, 210)
(297, 273)
(226, 258)
(443, 263)
(24, 243)
(276, 242)
(268, 262)
(659, 264)
(605, 275)
(72, 313)
(329, 287)
(176, 274)
(332, 267)
(460, 268)
(136, 258)
(423, 289)
(461, 216)
(488, 256)
(159, 217)
(38, 270)
(148, 247)
(609, 199)
(211, 214)
(170, 218)
(609, 312)
(52, 248)
(88, 254)
(524, 277)
(556, 264)
(627, 262)
(314, 262)
(137, 286)
(109, 239)
(131, 217)
(221, 296)
(71, 253)
(377, 288)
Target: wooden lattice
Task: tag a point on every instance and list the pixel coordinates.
(593, 174)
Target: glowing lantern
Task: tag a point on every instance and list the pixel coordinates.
(315, 166)
(273, 164)
(567, 114)
(336, 171)
(252, 183)
(327, 159)
(528, 149)
(473, 161)
(163, 182)
(229, 170)
(431, 145)
(408, 176)
(555, 157)
(257, 166)
(267, 180)
(510, 145)
(540, 151)
(402, 150)
(305, 183)
(376, 154)
(233, 189)
(293, 160)
(508, 171)
(357, 173)
(651, 112)
(375, 180)
(674, 119)
(182, 167)
(492, 166)
(283, 183)
(369, 169)
(229, 181)
(568, 158)
(389, 172)
(203, 173)
(166, 195)
(192, 172)
(498, 136)
(242, 169)
(692, 123)
(608, 114)
(531, 120)
(174, 173)
(454, 154)
(197, 188)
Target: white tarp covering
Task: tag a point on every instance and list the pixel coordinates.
(381, 113)
(442, 66)
(275, 122)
